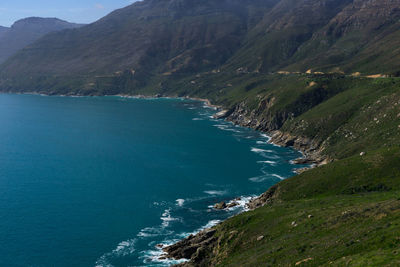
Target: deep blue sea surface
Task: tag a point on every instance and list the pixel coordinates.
(100, 181)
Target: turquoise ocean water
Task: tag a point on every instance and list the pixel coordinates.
(100, 181)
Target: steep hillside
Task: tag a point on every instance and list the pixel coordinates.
(27, 31)
(156, 41)
(147, 38)
(277, 38)
(363, 37)
(3, 30)
(342, 214)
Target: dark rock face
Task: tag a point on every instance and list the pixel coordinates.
(259, 119)
(26, 31)
(193, 247)
(232, 205)
(311, 148)
(263, 120)
(265, 198)
(220, 206)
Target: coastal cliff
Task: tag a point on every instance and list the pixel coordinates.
(270, 124)
(314, 199)
(332, 215)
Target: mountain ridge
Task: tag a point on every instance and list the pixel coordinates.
(26, 31)
(158, 39)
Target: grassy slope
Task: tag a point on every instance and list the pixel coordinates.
(346, 115)
(364, 115)
(355, 208)
(354, 201)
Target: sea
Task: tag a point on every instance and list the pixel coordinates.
(105, 181)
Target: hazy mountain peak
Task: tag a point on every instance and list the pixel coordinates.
(25, 31)
(160, 38)
(36, 23)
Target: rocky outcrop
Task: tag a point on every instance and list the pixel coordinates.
(193, 247)
(220, 206)
(262, 119)
(196, 247)
(259, 119)
(222, 114)
(311, 149)
(266, 198)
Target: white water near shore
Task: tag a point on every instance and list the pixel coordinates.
(155, 255)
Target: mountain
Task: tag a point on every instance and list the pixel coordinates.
(27, 31)
(156, 40)
(3, 30)
(153, 37)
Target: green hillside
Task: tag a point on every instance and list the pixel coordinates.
(342, 214)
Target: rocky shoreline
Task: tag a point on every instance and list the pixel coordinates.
(194, 247)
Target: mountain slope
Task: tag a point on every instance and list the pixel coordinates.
(153, 41)
(354, 39)
(152, 36)
(3, 30)
(330, 216)
(26, 31)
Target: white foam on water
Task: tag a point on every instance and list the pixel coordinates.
(271, 156)
(258, 179)
(153, 231)
(232, 130)
(155, 257)
(167, 218)
(198, 119)
(215, 192)
(260, 150)
(220, 126)
(242, 201)
(275, 145)
(278, 176)
(180, 202)
(124, 248)
(209, 225)
(270, 162)
(266, 136)
(161, 204)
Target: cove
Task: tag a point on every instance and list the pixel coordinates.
(100, 181)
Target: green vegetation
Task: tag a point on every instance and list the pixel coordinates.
(364, 115)
(342, 214)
